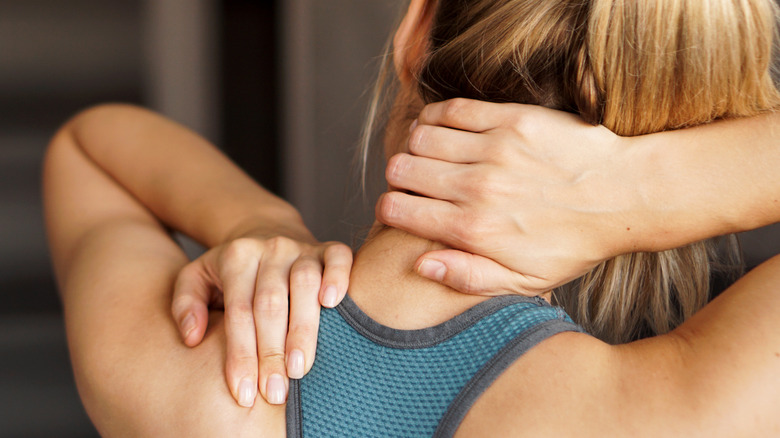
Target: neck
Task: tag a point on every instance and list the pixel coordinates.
(385, 285)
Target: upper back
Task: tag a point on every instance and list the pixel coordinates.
(372, 380)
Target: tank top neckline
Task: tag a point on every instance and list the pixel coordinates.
(429, 336)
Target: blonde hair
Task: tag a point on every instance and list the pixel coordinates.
(636, 67)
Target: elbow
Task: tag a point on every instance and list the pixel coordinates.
(69, 133)
(104, 116)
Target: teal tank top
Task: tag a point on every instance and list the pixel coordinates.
(370, 380)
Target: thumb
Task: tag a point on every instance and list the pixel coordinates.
(191, 296)
(472, 274)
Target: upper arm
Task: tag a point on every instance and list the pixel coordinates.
(575, 385)
(716, 375)
(555, 389)
(115, 266)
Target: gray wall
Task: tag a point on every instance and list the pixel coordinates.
(330, 57)
(57, 57)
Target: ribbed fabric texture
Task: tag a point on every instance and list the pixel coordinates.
(361, 388)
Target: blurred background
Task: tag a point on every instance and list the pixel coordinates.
(280, 86)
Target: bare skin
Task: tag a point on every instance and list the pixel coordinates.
(511, 176)
(580, 386)
(260, 246)
(117, 265)
(531, 198)
(499, 177)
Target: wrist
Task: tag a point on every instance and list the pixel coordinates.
(640, 170)
(616, 199)
(280, 221)
(669, 209)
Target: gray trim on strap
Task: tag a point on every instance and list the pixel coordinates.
(492, 369)
(427, 337)
(293, 411)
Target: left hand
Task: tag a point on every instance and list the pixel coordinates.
(252, 276)
(536, 197)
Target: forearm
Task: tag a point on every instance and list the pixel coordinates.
(703, 182)
(182, 179)
(116, 266)
(716, 373)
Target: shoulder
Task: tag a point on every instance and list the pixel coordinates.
(548, 390)
(155, 386)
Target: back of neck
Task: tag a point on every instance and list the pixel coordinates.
(385, 285)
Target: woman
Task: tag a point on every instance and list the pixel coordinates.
(605, 82)
(653, 210)
(116, 266)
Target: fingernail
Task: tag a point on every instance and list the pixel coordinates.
(413, 125)
(188, 324)
(295, 364)
(330, 296)
(247, 390)
(433, 269)
(275, 389)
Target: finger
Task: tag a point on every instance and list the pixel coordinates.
(305, 281)
(446, 144)
(477, 275)
(271, 315)
(191, 296)
(337, 259)
(426, 176)
(432, 219)
(468, 115)
(239, 271)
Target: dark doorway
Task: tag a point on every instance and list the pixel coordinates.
(250, 98)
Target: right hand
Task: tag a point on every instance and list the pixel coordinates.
(251, 276)
(531, 198)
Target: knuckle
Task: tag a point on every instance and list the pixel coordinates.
(338, 250)
(305, 262)
(417, 139)
(454, 109)
(522, 122)
(482, 184)
(482, 226)
(501, 151)
(280, 245)
(241, 357)
(441, 179)
(272, 360)
(181, 303)
(272, 354)
(239, 314)
(189, 270)
(426, 114)
(271, 304)
(462, 235)
(499, 185)
(517, 122)
(239, 250)
(475, 227)
(396, 167)
(305, 277)
(241, 363)
(490, 184)
(474, 281)
(389, 207)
